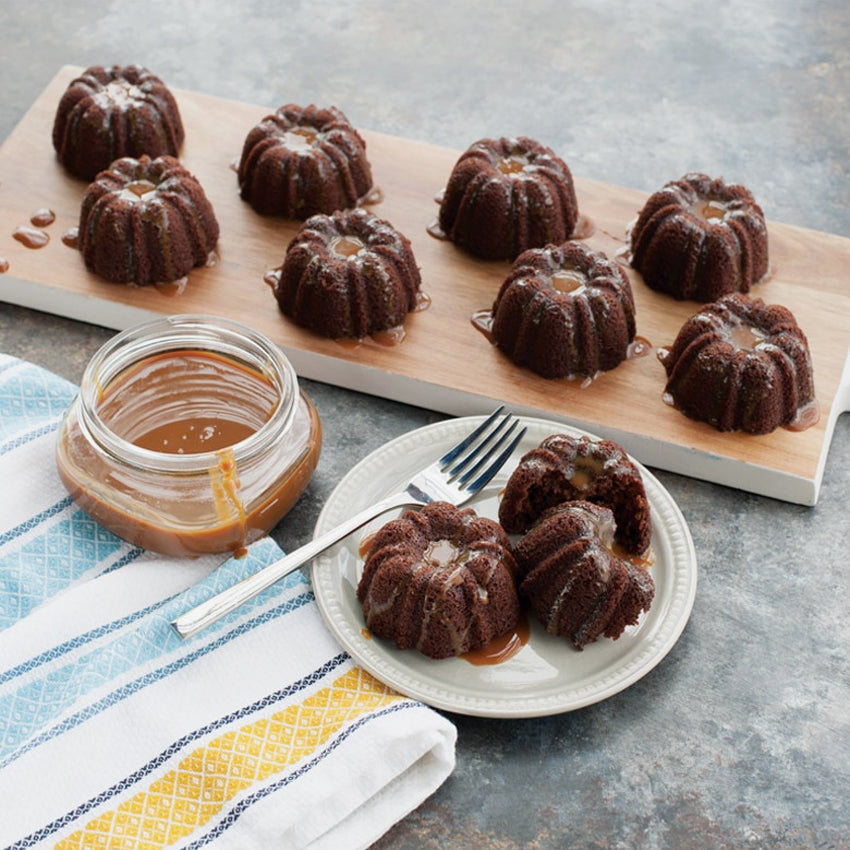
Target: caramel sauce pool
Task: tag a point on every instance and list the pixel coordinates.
(188, 402)
(31, 237)
(501, 648)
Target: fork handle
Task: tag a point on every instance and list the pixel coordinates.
(214, 608)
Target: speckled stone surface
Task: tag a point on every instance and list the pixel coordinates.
(741, 736)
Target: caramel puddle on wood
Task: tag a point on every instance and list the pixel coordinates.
(30, 237)
(173, 288)
(42, 217)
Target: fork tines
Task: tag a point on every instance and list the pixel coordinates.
(482, 444)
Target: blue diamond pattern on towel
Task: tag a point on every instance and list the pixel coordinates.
(30, 397)
(146, 647)
(39, 563)
(60, 544)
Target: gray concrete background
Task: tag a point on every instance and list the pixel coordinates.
(740, 738)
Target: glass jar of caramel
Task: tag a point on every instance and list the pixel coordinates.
(189, 435)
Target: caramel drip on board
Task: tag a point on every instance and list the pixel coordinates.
(30, 237)
(482, 321)
(71, 237)
(374, 196)
(43, 217)
(585, 227)
(434, 229)
(272, 277)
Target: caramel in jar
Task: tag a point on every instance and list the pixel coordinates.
(189, 436)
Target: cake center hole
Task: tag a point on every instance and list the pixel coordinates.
(745, 337)
(568, 280)
(120, 92)
(585, 471)
(299, 138)
(347, 246)
(441, 553)
(709, 209)
(141, 188)
(513, 164)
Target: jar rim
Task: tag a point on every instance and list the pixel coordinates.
(231, 339)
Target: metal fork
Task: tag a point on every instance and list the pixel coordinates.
(456, 477)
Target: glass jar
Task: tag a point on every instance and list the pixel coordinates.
(189, 435)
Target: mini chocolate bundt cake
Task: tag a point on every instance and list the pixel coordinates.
(507, 195)
(699, 239)
(146, 221)
(440, 580)
(565, 311)
(741, 365)
(348, 274)
(565, 468)
(573, 582)
(300, 161)
(109, 113)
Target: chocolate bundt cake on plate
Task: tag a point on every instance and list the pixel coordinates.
(567, 468)
(575, 584)
(440, 580)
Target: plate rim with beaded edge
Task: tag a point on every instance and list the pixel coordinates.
(547, 676)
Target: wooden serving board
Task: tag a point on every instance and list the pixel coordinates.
(443, 362)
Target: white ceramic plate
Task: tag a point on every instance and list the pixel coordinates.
(548, 675)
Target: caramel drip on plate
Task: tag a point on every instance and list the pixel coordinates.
(501, 648)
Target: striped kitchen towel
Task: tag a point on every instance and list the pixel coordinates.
(114, 732)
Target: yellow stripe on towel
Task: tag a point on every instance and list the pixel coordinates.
(185, 798)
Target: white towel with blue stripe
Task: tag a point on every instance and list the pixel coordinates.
(114, 732)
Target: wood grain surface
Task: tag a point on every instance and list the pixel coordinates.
(443, 362)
